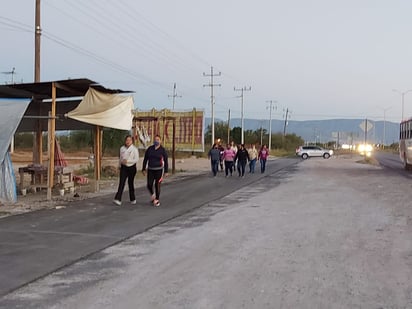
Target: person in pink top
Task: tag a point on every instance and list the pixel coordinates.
(228, 157)
(262, 157)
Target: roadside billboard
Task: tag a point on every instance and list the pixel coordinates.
(189, 128)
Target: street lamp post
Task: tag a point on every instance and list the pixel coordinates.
(403, 98)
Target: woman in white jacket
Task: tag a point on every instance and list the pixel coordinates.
(129, 155)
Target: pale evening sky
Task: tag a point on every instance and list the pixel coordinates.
(320, 59)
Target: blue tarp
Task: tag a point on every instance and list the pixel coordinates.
(11, 113)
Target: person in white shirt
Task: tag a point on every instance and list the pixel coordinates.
(129, 155)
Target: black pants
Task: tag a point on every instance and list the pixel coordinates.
(126, 172)
(228, 167)
(154, 176)
(241, 165)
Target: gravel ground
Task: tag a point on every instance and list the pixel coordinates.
(331, 234)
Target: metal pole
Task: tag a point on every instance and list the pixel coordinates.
(228, 127)
(212, 103)
(270, 127)
(384, 129)
(403, 99)
(270, 123)
(241, 113)
(242, 137)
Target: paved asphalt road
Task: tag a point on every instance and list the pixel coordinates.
(331, 234)
(35, 244)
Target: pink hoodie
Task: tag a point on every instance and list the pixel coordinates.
(229, 155)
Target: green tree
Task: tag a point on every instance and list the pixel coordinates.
(113, 139)
(23, 140)
(236, 135)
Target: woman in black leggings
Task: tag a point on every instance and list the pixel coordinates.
(156, 160)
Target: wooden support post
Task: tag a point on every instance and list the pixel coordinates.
(193, 130)
(51, 143)
(97, 157)
(39, 140)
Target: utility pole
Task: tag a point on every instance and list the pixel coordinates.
(270, 121)
(228, 127)
(212, 98)
(37, 35)
(37, 140)
(286, 122)
(174, 95)
(242, 90)
(12, 73)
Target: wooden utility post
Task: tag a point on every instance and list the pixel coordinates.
(37, 141)
(37, 35)
(98, 138)
(51, 143)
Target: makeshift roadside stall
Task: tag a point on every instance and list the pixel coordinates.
(48, 103)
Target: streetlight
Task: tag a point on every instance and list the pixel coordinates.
(270, 121)
(403, 98)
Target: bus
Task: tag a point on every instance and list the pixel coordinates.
(405, 143)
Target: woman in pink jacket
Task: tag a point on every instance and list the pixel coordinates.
(228, 157)
(262, 157)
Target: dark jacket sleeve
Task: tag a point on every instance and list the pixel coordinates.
(165, 161)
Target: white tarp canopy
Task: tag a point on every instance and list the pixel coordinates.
(11, 113)
(106, 110)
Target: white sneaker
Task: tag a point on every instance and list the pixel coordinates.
(133, 202)
(156, 203)
(117, 202)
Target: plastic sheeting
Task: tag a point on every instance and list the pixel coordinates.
(11, 113)
(106, 110)
(8, 181)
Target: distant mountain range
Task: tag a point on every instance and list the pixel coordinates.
(347, 130)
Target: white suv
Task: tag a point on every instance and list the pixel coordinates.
(313, 151)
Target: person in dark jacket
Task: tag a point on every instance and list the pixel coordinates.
(242, 156)
(214, 156)
(156, 160)
(222, 150)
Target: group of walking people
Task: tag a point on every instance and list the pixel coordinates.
(234, 156)
(155, 166)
